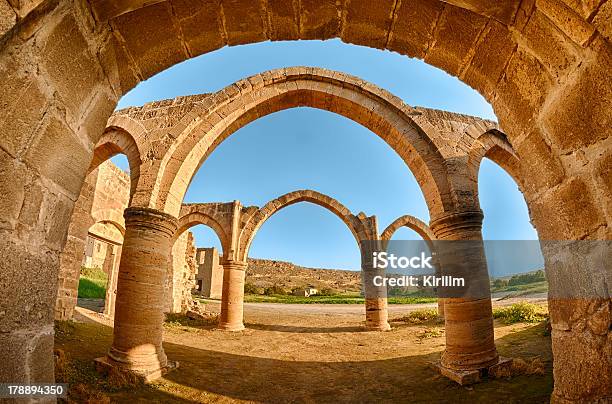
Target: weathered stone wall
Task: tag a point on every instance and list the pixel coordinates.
(210, 272)
(181, 277)
(98, 215)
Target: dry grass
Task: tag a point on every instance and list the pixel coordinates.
(433, 332)
(420, 317)
(520, 367)
(185, 323)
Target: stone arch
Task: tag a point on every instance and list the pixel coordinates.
(539, 63)
(122, 135)
(420, 227)
(494, 145)
(195, 218)
(356, 224)
(111, 216)
(225, 112)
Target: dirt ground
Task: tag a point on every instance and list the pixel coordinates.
(308, 355)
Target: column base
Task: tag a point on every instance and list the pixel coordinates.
(466, 377)
(105, 365)
(230, 327)
(378, 327)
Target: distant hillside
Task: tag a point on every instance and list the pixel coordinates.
(263, 273)
(508, 277)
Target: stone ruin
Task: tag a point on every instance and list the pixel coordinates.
(545, 66)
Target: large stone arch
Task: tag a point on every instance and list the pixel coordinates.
(541, 64)
(238, 104)
(357, 224)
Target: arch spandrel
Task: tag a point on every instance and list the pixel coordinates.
(112, 216)
(218, 216)
(281, 89)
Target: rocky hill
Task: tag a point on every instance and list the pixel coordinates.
(263, 273)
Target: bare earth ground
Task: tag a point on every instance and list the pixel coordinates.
(316, 354)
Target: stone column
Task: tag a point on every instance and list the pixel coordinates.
(232, 298)
(377, 316)
(139, 307)
(111, 288)
(441, 307)
(470, 345)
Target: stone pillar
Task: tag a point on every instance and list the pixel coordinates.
(470, 345)
(377, 316)
(232, 298)
(139, 307)
(111, 284)
(441, 307)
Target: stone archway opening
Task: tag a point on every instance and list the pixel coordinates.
(295, 281)
(195, 269)
(540, 63)
(513, 249)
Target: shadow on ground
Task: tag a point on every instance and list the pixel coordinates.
(207, 374)
(297, 329)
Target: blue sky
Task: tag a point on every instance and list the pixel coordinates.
(307, 148)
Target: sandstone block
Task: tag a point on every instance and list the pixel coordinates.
(151, 38)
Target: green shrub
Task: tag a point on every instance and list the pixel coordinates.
(327, 292)
(251, 289)
(523, 279)
(500, 283)
(274, 290)
(521, 313)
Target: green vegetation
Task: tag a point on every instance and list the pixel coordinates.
(331, 299)
(250, 289)
(521, 313)
(531, 281)
(274, 290)
(92, 283)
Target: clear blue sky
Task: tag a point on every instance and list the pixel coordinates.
(307, 148)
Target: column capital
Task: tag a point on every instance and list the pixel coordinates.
(457, 225)
(151, 218)
(238, 265)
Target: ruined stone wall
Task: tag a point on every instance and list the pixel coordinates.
(103, 198)
(210, 272)
(181, 277)
(112, 189)
(72, 255)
